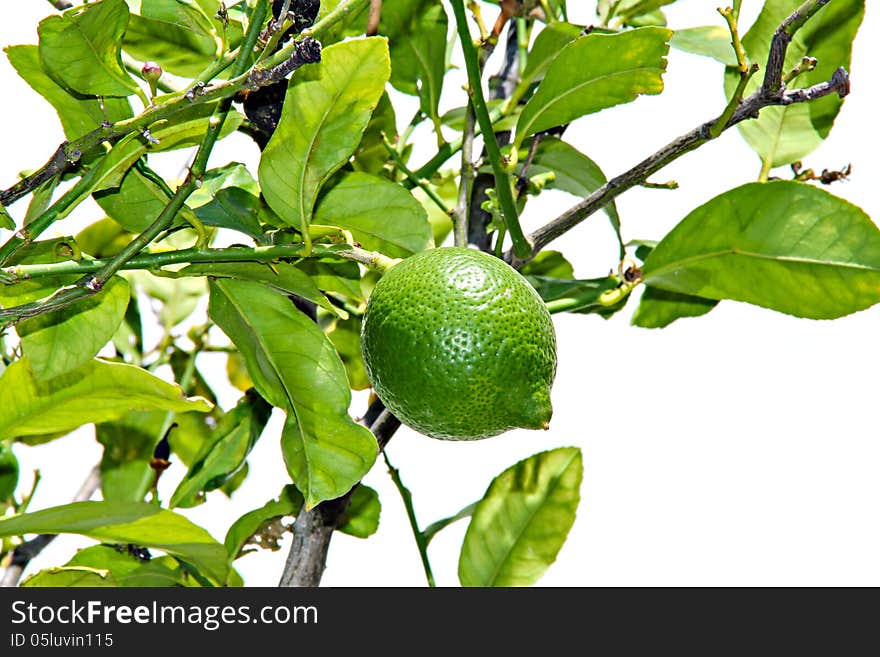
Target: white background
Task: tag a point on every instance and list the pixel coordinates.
(740, 448)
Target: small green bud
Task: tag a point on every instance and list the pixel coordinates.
(151, 72)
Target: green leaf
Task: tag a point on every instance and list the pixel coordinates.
(708, 40)
(104, 565)
(103, 238)
(242, 530)
(575, 173)
(339, 277)
(659, 308)
(236, 209)
(593, 73)
(577, 295)
(139, 523)
(782, 135)
(416, 31)
(628, 12)
(179, 296)
(6, 220)
(361, 518)
(61, 341)
(136, 202)
(281, 276)
(549, 42)
(8, 473)
(175, 34)
(99, 391)
(383, 216)
(232, 441)
(78, 114)
(81, 48)
(782, 245)
(346, 338)
(550, 264)
(371, 155)
(70, 576)
(521, 523)
(294, 366)
(326, 109)
(234, 174)
(126, 475)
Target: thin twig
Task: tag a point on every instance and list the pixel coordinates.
(28, 551)
(415, 180)
(406, 496)
(466, 179)
(772, 94)
(502, 179)
(374, 17)
(779, 45)
(312, 530)
(154, 261)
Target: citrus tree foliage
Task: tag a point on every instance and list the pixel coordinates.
(284, 257)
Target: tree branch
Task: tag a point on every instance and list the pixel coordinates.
(779, 45)
(70, 153)
(313, 529)
(28, 551)
(103, 269)
(771, 93)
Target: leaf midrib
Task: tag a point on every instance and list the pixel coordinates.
(685, 262)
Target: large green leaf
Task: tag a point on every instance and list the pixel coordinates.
(178, 35)
(326, 109)
(281, 276)
(139, 523)
(99, 391)
(416, 31)
(659, 308)
(707, 40)
(61, 341)
(593, 73)
(383, 216)
(294, 366)
(521, 523)
(786, 134)
(242, 530)
(783, 245)
(219, 460)
(81, 48)
(103, 565)
(78, 114)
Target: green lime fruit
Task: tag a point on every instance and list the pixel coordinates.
(459, 346)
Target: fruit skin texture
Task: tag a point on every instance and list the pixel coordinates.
(459, 346)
